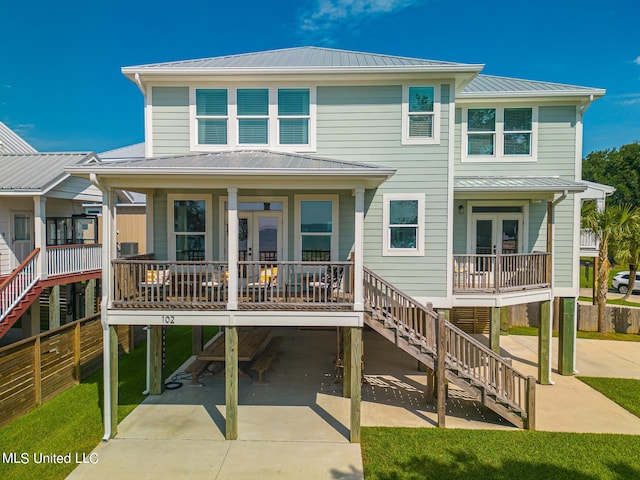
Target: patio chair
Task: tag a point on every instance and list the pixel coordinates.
(264, 285)
(327, 284)
(156, 284)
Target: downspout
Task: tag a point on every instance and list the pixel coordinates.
(106, 337)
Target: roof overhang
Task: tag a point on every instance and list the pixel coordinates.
(517, 184)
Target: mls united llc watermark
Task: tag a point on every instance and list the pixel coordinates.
(53, 458)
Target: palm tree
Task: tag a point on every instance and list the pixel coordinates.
(626, 249)
(607, 225)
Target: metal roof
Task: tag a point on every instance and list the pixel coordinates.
(297, 58)
(488, 85)
(11, 142)
(37, 172)
(516, 184)
(238, 161)
(129, 152)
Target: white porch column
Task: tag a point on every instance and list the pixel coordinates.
(109, 252)
(40, 233)
(149, 226)
(233, 248)
(358, 258)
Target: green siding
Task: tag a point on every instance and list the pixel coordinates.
(170, 120)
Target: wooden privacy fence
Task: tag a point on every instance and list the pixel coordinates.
(38, 368)
(619, 319)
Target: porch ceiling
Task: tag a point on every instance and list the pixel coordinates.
(250, 168)
(517, 184)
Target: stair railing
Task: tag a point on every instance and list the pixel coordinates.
(470, 358)
(18, 284)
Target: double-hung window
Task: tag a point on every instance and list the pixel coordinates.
(293, 116)
(420, 114)
(253, 116)
(212, 116)
(189, 227)
(317, 220)
(505, 133)
(403, 217)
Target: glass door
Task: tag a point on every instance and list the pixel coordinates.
(260, 236)
(497, 233)
(23, 241)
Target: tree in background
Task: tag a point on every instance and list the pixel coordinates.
(626, 249)
(619, 168)
(608, 226)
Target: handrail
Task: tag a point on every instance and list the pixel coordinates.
(18, 284)
(464, 353)
(70, 259)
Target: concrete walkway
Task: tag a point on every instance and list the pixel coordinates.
(297, 425)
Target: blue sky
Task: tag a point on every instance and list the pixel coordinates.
(61, 86)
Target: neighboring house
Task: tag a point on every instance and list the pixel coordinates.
(321, 187)
(597, 193)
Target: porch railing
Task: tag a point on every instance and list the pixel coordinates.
(588, 239)
(17, 285)
(205, 285)
(72, 259)
(499, 273)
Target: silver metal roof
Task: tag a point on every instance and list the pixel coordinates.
(129, 152)
(488, 85)
(255, 161)
(516, 184)
(37, 172)
(11, 142)
(298, 57)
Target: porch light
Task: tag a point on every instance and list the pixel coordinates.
(461, 209)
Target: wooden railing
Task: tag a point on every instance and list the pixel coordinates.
(205, 285)
(17, 285)
(588, 239)
(464, 354)
(72, 259)
(500, 273)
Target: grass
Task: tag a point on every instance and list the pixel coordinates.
(623, 337)
(624, 391)
(72, 421)
(588, 282)
(425, 454)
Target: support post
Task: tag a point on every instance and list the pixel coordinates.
(530, 424)
(441, 342)
(113, 384)
(54, 307)
(31, 321)
(494, 330)
(358, 259)
(346, 371)
(90, 297)
(594, 284)
(231, 382)
(157, 372)
(504, 320)
(544, 344)
(40, 234)
(566, 335)
(232, 253)
(196, 339)
(431, 385)
(356, 382)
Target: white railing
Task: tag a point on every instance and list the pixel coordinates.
(72, 259)
(588, 239)
(18, 284)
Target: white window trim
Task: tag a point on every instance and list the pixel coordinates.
(335, 216)
(499, 132)
(406, 140)
(387, 251)
(233, 118)
(171, 235)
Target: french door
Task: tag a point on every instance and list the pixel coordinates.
(497, 233)
(260, 236)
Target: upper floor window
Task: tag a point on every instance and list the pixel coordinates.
(420, 114)
(403, 219)
(500, 133)
(228, 118)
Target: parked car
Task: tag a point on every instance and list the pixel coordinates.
(621, 282)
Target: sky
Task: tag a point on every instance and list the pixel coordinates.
(61, 87)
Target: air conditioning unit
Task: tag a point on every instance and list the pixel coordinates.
(128, 248)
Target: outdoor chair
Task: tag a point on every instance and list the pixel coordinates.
(156, 284)
(328, 283)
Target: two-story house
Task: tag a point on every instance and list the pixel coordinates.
(320, 187)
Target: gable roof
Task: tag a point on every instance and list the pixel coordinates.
(11, 142)
(490, 86)
(300, 60)
(37, 173)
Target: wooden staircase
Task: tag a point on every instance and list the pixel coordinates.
(418, 330)
(18, 291)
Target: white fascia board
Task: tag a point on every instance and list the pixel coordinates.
(553, 94)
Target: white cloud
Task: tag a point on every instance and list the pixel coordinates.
(329, 15)
(637, 61)
(626, 99)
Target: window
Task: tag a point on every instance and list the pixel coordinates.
(317, 227)
(420, 116)
(229, 118)
(188, 227)
(212, 116)
(403, 217)
(500, 133)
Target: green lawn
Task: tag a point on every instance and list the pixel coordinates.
(72, 421)
(587, 282)
(624, 391)
(425, 454)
